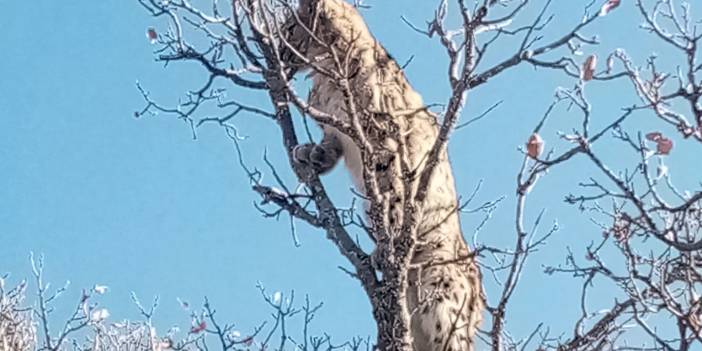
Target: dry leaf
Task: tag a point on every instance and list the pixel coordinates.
(609, 6)
(654, 136)
(198, 328)
(664, 146)
(535, 146)
(151, 35)
(588, 69)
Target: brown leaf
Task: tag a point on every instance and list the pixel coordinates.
(609, 6)
(654, 136)
(152, 35)
(664, 146)
(535, 146)
(198, 328)
(588, 69)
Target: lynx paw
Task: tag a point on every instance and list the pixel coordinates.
(321, 159)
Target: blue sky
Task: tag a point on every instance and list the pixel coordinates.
(138, 205)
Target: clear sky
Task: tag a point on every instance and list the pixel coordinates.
(138, 205)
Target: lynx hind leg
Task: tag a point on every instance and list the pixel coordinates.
(321, 157)
(448, 318)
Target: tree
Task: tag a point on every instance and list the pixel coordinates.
(657, 282)
(647, 246)
(25, 328)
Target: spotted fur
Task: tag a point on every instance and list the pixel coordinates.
(445, 292)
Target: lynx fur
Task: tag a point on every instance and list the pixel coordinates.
(445, 298)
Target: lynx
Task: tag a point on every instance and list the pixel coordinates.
(445, 295)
